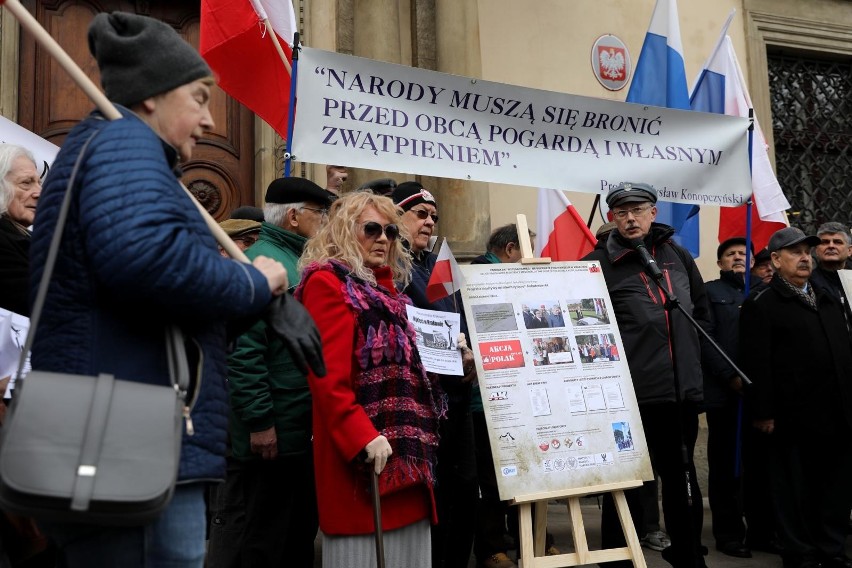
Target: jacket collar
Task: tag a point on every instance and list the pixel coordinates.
(170, 151)
(282, 237)
(732, 278)
(618, 248)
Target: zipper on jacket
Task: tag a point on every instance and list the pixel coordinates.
(648, 287)
(187, 407)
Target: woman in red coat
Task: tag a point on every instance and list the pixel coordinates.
(376, 408)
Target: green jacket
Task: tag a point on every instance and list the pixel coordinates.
(265, 387)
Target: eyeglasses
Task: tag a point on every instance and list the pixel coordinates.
(323, 212)
(247, 240)
(373, 230)
(422, 214)
(635, 211)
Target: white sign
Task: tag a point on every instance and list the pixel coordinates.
(369, 114)
(436, 340)
(43, 151)
(557, 393)
(13, 335)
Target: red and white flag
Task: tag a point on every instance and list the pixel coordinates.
(446, 278)
(248, 67)
(561, 231)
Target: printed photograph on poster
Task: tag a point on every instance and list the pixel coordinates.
(552, 351)
(506, 354)
(543, 314)
(436, 340)
(588, 311)
(622, 435)
(493, 318)
(598, 348)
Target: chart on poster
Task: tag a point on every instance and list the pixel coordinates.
(557, 392)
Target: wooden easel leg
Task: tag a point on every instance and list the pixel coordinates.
(630, 535)
(540, 529)
(578, 530)
(527, 556)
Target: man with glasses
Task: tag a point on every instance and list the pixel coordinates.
(457, 490)
(647, 331)
(266, 513)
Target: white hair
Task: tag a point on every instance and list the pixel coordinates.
(276, 213)
(8, 154)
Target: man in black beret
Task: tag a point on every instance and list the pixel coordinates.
(669, 417)
(457, 489)
(270, 471)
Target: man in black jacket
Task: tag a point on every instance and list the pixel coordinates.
(800, 363)
(721, 400)
(648, 334)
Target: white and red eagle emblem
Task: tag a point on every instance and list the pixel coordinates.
(611, 61)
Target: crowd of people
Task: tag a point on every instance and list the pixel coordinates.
(298, 447)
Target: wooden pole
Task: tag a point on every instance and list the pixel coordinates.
(274, 37)
(44, 39)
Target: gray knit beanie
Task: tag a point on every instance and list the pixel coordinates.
(140, 57)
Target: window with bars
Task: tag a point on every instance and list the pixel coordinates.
(812, 125)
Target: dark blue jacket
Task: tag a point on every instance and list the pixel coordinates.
(136, 256)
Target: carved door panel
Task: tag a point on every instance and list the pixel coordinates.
(221, 173)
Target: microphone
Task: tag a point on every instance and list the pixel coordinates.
(650, 264)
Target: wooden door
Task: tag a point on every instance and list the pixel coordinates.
(221, 173)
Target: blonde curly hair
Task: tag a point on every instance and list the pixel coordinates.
(338, 238)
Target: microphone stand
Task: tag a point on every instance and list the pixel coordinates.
(672, 304)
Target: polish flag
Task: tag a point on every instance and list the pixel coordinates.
(562, 231)
(446, 278)
(236, 44)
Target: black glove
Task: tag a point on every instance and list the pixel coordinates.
(294, 325)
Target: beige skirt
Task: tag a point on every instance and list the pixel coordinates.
(408, 547)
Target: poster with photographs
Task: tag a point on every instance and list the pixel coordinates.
(557, 392)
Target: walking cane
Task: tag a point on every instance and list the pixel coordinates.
(377, 518)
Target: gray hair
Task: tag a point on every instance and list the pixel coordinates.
(835, 227)
(275, 213)
(8, 154)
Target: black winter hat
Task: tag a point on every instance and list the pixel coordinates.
(140, 57)
(297, 190)
(411, 193)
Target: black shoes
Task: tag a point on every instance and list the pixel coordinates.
(734, 548)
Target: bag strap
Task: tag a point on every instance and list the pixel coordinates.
(87, 468)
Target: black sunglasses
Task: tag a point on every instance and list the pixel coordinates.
(373, 230)
(422, 214)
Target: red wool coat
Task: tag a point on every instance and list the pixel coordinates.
(342, 428)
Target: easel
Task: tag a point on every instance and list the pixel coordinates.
(532, 548)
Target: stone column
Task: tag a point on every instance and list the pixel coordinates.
(463, 205)
(375, 35)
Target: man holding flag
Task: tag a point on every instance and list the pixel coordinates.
(456, 491)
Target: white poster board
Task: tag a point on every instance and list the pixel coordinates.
(557, 392)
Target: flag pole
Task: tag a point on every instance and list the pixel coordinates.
(594, 208)
(288, 157)
(750, 199)
(274, 37)
(106, 107)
